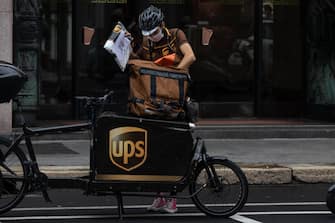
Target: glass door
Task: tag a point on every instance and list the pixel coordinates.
(95, 70)
(320, 58)
(222, 35)
(281, 80)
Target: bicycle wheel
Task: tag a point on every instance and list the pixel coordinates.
(13, 176)
(229, 194)
(330, 199)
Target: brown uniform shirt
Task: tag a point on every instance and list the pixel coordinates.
(170, 43)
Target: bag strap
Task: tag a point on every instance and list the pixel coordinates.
(136, 100)
(153, 86)
(181, 92)
(166, 74)
(153, 78)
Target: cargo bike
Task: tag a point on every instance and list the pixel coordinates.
(129, 156)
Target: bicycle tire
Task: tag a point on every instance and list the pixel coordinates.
(330, 199)
(220, 201)
(13, 178)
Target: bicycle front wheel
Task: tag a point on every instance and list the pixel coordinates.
(13, 176)
(225, 194)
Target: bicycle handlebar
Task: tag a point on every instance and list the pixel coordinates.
(110, 93)
(96, 101)
(95, 105)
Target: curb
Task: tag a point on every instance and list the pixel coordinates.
(289, 173)
(313, 173)
(68, 176)
(265, 131)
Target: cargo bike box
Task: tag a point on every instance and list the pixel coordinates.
(138, 154)
(12, 80)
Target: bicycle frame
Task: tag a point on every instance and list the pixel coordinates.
(28, 132)
(37, 179)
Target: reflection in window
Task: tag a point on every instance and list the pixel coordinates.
(224, 67)
(321, 57)
(56, 47)
(282, 77)
(220, 32)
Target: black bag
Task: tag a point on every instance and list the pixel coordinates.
(12, 80)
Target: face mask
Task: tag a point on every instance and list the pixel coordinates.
(157, 37)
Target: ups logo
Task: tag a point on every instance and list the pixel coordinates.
(128, 147)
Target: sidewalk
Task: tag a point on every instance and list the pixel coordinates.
(269, 161)
(287, 153)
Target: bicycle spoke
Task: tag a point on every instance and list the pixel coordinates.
(229, 188)
(13, 177)
(7, 168)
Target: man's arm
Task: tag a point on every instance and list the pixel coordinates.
(188, 58)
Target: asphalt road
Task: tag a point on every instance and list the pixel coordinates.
(266, 203)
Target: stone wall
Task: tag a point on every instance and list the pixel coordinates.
(6, 54)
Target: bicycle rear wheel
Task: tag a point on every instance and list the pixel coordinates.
(229, 194)
(13, 176)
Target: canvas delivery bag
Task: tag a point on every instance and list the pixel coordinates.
(157, 91)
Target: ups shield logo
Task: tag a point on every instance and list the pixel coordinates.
(128, 147)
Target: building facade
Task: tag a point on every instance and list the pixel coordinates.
(6, 54)
(269, 58)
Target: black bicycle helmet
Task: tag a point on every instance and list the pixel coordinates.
(150, 18)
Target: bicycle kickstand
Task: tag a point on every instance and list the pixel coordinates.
(120, 205)
(46, 196)
(42, 185)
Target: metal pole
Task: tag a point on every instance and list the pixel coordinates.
(258, 57)
(74, 57)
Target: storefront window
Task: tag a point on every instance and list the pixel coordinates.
(321, 52)
(55, 77)
(96, 70)
(282, 82)
(224, 69)
(220, 33)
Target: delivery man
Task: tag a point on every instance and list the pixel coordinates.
(160, 42)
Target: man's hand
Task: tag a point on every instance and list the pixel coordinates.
(128, 35)
(188, 57)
